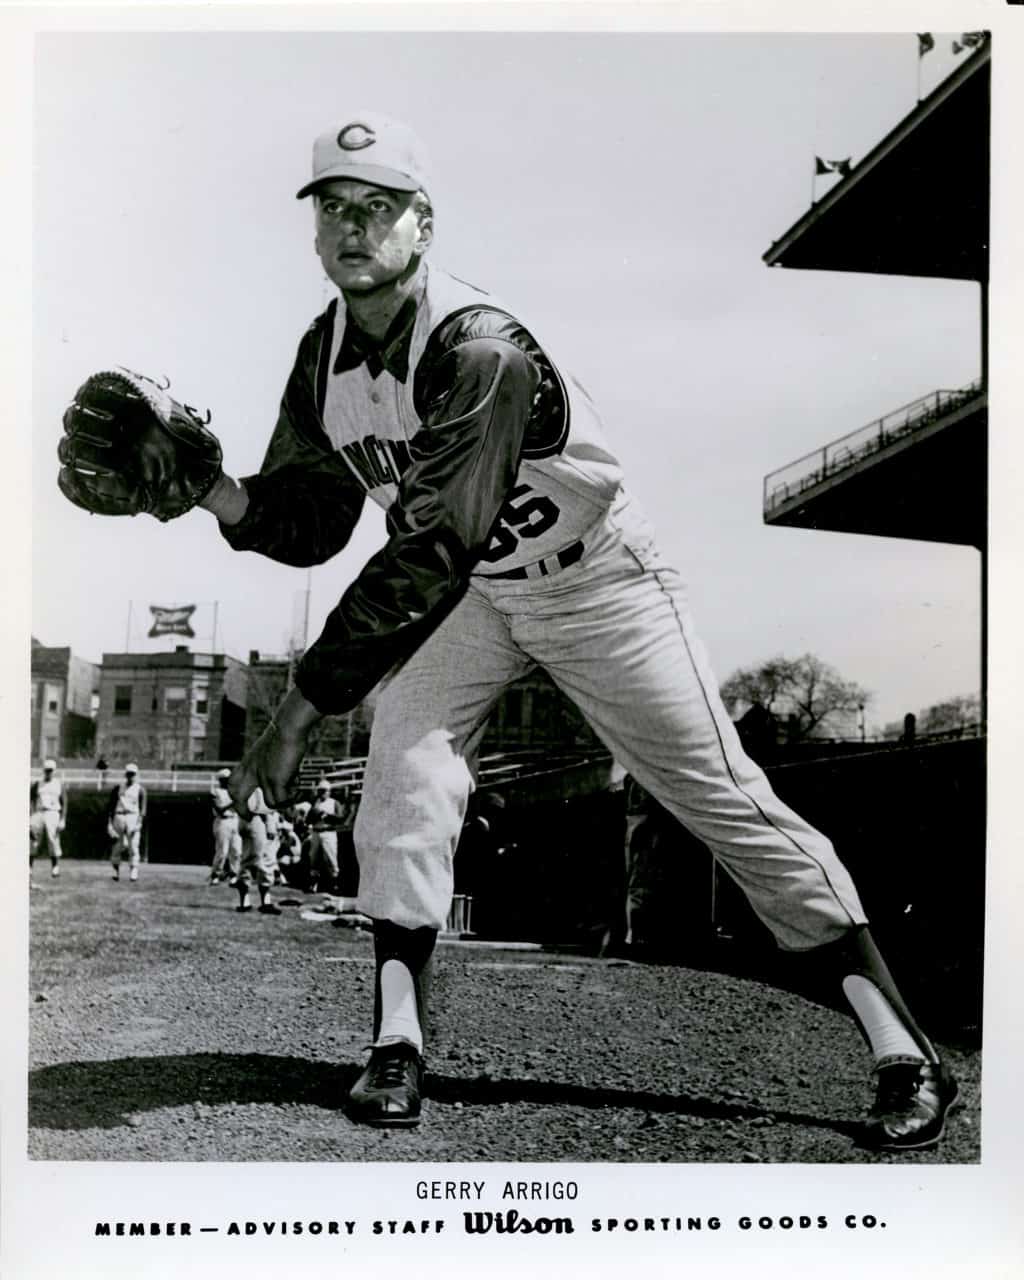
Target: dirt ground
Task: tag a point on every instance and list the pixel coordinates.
(165, 1026)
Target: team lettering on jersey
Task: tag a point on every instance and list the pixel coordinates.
(377, 462)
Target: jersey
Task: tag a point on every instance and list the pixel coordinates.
(566, 477)
(46, 795)
(328, 807)
(128, 797)
(486, 456)
(223, 806)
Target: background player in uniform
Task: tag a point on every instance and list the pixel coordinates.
(512, 543)
(47, 816)
(289, 851)
(324, 818)
(227, 843)
(126, 812)
(257, 865)
(272, 824)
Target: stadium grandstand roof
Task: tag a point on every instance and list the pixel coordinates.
(918, 203)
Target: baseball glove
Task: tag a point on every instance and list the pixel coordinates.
(129, 447)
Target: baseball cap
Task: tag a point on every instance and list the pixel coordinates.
(323, 785)
(370, 147)
(131, 768)
(49, 764)
(223, 773)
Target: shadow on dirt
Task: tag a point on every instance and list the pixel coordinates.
(91, 1095)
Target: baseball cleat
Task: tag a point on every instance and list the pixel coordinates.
(911, 1104)
(387, 1094)
(269, 909)
(244, 906)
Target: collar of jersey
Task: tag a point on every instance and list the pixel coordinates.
(390, 352)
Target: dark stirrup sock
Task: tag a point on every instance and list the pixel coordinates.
(407, 953)
(880, 1012)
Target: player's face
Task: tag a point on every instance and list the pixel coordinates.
(367, 237)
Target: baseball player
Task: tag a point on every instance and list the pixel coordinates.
(227, 842)
(258, 862)
(290, 851)
(512, 543)
(272, 822)
(126, 812)
(324, 818)
(47, 816)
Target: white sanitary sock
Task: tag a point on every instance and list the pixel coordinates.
(885, 1031)
(398, 1017)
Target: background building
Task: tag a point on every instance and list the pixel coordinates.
(63, 710)
(535, 713)
(163, 708)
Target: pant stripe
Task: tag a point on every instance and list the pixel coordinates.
(807, 853)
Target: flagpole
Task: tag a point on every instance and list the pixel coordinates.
(216, 610)
(128, 630)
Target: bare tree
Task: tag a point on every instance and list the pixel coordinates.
(806, 691)
(951, 715)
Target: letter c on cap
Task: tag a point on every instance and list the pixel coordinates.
(356, 136)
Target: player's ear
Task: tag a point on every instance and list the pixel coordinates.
(425, 220)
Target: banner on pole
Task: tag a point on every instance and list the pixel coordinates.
(175, 621)
(842, 167)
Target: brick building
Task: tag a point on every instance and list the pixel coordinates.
(535, 713)
(163, 708)
(63, 695)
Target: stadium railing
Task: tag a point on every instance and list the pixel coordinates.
(814, 468)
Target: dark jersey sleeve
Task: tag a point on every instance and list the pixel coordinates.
(305, 502)
(474, 389)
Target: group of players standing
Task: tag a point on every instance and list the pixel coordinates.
(296, 846)
(125, 815)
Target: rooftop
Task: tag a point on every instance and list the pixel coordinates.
(918, 203)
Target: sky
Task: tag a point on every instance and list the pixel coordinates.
(617, 190)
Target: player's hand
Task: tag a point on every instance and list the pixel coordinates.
(274, 758)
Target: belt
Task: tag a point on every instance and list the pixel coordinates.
(541, 568)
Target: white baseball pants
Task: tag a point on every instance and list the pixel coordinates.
(323, 856)
(44, 834)
(127, 829)
(257, 861)
(614, 633)
(227, 846)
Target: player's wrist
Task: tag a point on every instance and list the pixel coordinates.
(296, 715)
(228, 500)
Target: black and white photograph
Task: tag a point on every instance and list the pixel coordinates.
(509, 536)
